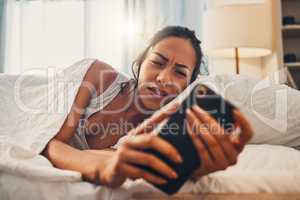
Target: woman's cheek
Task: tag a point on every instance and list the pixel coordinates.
(148, 72)
(180, 85)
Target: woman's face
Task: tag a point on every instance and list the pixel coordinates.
(165, 72)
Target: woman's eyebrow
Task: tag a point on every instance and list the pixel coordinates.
(181, 65)
(166, 59)
(162, 56)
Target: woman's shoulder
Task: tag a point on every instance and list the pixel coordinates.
(101, 74)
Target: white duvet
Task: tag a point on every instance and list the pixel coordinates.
(33, 108)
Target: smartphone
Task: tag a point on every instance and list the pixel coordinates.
(174, 131)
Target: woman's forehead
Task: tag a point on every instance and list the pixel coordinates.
(179, 49)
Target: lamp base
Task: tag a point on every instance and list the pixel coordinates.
(237, 61)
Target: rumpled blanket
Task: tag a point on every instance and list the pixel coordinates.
(33, 109)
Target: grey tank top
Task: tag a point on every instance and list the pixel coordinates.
(96, 104)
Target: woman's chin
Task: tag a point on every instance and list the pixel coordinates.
(152, 105)
(152, 102)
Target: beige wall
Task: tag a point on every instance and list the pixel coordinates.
(250, 67)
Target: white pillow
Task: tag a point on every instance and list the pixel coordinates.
(272, 109)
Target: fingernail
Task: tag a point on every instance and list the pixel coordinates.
(162, 181)
(174, 175)
(195, 107)
(188, 125)
(178, 159)
(188, 111)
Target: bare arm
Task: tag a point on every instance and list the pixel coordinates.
(110, 168)
(86, 162)
(57, 150)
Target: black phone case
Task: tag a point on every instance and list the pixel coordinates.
(218, 107)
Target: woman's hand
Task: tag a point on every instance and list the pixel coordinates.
(123, 162)
(217, 149)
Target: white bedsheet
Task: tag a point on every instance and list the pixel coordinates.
(24, 133)
(261, 168)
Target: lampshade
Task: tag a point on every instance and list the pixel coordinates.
(246, 26)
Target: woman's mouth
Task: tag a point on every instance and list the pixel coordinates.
(157, 92)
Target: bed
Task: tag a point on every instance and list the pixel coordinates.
(268, 168)
(263, 172)
(228, 197)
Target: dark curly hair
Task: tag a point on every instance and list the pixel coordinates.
(170, 31)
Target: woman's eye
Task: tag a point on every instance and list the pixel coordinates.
(156, 63)
(181, 73)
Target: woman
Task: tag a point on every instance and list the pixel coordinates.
(164, 69)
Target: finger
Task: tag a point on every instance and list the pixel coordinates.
(234, 138)
(155, 143)
(206, 118)
(219, 133)
(212, 144)
(246, 129)
(135, 173)
(229, 149)
(222, 138)
(149, 160)
(204, 156)
(192, 121)
(150, 124)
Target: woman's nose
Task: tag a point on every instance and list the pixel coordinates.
(164, 77)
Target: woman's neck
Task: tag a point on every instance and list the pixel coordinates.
(135, 111)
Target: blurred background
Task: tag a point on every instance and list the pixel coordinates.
(42, 33)
(259, 38)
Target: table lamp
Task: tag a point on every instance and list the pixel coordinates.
(238, 31)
